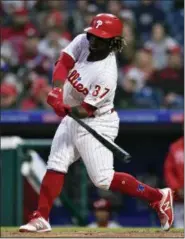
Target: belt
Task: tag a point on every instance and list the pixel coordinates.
(111, 111)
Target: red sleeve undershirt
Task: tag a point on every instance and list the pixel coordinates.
(62, 67)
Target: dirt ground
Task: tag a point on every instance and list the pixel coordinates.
(94, 233)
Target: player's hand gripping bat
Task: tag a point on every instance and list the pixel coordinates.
(117, 151)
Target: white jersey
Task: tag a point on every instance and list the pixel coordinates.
(111, 224)
(92, 82)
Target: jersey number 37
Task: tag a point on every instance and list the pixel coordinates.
(97, 92)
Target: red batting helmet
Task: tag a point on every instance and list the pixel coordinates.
(105, 25)
(102, 204)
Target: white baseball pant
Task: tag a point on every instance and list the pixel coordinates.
(72, 141)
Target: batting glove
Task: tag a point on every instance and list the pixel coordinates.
(55, 100)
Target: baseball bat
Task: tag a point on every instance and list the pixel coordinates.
(117, 151)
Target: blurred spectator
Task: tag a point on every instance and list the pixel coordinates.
(88, 17)
(146, 15)
(127, 16)
(11, 87)
(8, 93)
(81, 16)
(29, 51)
(4, 68)
(56, 5)
(126, 57)
(31, 58)
(11, 5)
(37, 95)
(12, 79)
(133, 3)
(102, 211)
(100, 4)
(137, 75)
(14, 37)
(8, 9)
(5, 18)
(26, 77)
(165, 5)
(34, 32)
(49, 6)
(20, 27)
(52, 44)
(133, 91)
(55, 19)
(114, 7)
(159, 44)
(174, 177)
(171, 80)
(76, 20)
(8, 55)
(118, 8)
(175, 20)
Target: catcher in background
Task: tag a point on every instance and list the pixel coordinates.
(174, 177)
(102, 212)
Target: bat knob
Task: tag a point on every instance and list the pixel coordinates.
(127, 158)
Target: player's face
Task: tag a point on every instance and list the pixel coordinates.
(97, 44)
(175, 60)
(102, 216)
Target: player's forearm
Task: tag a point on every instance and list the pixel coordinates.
(79, 111)
(58, 83)
(59, 75)
(84, 110)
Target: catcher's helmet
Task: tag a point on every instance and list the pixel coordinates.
(105, 25)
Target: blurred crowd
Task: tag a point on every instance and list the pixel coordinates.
(151, 67)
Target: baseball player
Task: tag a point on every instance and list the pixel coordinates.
(102, 212)
(84, 82)
(174, 177)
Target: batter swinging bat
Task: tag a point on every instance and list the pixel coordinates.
(117, 151)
